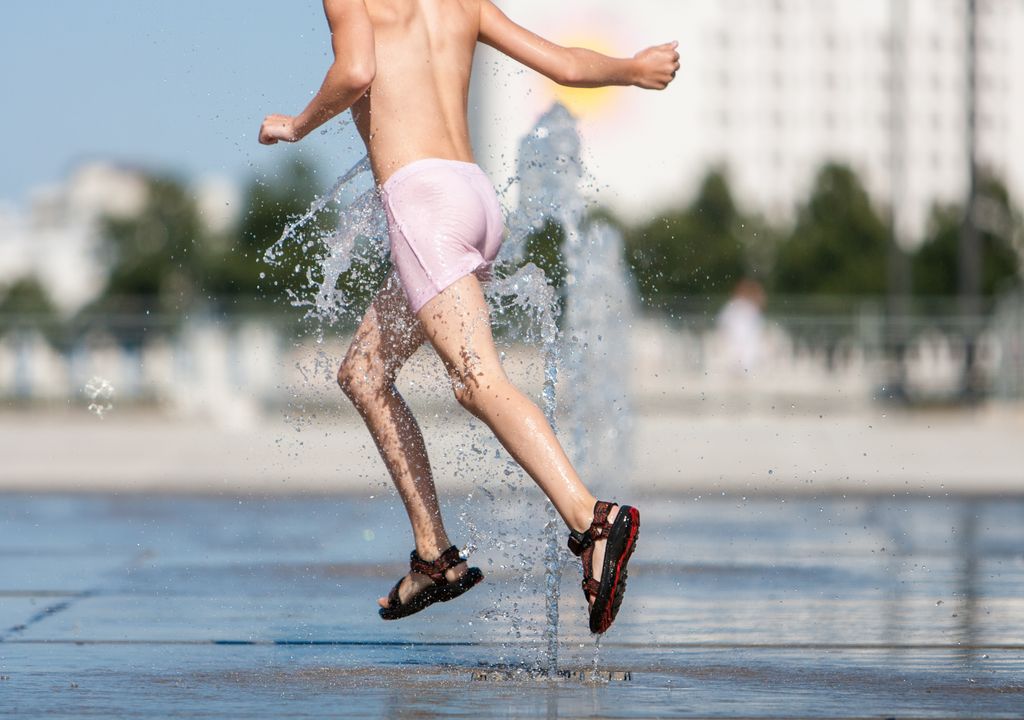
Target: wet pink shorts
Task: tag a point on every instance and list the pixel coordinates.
(444, 222)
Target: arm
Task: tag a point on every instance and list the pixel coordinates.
(347, 79)
(652, 68)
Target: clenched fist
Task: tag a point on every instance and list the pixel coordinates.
(656, 66)
(278, 127)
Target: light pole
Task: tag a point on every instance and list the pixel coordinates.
(898, 270)
(969, 251)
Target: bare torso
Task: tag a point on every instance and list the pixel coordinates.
(417, 105)
(403, 67)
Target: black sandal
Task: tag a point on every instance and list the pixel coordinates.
(621, 541)
(442, 590)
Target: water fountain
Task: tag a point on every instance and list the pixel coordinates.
(588, 355)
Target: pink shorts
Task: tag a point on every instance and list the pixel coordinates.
(444, 222)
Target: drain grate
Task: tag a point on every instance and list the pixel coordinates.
(588, 676)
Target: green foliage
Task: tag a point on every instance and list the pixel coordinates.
(935, 264)
(163, 259)
(268, 205)
(839, 245)
(26, 297)
(25, 303)
(702, 249)
(544, 249)
(166, 261)
(157, 257)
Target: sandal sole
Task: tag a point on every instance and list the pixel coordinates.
(433, 594)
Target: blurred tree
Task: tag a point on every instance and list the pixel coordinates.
(935, 261)
(544, 246)
(26, 297)
(155, 258)
(25, 303)
(704, 248)
(544, 249)
(237, 268)
(839, 243)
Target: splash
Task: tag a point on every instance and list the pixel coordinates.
(100, 394)
(548, 171)
(600, 305)
(599, 296)
(593, 348)
(359, 235)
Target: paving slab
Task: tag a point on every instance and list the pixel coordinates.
(191, 606)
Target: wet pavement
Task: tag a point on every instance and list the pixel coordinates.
(187, 606)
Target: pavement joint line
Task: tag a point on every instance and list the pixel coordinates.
(72, 598)
(1012, 647)
(48, 611)
(38, 593)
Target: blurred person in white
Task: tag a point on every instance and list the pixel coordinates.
(403, 67)
(741, 325)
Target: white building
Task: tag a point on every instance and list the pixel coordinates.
(55, 238)
(772, 89)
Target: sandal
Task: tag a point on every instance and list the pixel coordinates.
(621, 541)
(442, 589)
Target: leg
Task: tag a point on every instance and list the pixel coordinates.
(385, 339)
(457, 323)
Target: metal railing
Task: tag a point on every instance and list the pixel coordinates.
(163, 359)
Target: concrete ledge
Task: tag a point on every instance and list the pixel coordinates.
(747, 452)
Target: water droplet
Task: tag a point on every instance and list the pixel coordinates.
(101, 396)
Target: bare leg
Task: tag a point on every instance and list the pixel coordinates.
(388, 336)
(457, 323)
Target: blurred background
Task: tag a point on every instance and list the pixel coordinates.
(821, 222)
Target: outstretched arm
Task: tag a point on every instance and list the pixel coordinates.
(347, 79)
(652, 68)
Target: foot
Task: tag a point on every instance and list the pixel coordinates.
(413, 583)
(597, 559)
(609, 539)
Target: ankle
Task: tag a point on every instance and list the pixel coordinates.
(582, 516)
(431, 550)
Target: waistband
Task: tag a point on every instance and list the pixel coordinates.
(426, 164)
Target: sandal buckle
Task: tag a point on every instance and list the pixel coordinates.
(579, 541)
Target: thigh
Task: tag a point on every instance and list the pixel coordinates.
(387, 336)
(457, 322)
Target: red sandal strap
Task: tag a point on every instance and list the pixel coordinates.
(435, 569)
(582, 545)
(599, 529)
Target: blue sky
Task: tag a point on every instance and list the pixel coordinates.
(178, 85)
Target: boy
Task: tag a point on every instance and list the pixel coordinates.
(403, 67)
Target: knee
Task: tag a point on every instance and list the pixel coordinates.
(357, 383)
(347, 379)
(464, 396)
(476, 395)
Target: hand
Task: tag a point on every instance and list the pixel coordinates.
(656, 66)
(278, 127)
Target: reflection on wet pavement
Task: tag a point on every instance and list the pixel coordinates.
(185, 606)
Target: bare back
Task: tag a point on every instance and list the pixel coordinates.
(403, 68)
(416, 106)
